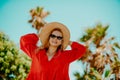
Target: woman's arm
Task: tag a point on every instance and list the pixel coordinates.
(76, 52)
(28, 43)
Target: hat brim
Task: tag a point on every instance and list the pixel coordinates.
(49, 27)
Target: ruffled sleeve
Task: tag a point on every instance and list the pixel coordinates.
(76, 52)
(28, 43)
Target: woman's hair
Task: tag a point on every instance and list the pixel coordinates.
(46, 46)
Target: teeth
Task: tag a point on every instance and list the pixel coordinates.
(55, 42)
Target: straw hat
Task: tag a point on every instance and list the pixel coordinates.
(49, 27)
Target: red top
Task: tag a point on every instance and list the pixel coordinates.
(55, 69)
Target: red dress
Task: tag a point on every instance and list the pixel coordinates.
(55, 69)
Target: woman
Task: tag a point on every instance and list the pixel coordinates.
(51, 61)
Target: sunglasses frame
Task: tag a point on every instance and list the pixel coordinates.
(54, 36)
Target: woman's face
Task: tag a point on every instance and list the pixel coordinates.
(55, 38)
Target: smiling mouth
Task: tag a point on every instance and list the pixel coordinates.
(54, 42)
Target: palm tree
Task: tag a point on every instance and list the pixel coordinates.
(37, 17)
(101, 53)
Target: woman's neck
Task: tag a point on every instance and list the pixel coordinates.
(51, 50)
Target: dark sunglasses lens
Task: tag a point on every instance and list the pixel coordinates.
(52, 36)
(59, 38)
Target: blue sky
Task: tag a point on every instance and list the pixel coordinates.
(76, 14)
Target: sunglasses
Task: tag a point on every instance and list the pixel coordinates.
(54, 36)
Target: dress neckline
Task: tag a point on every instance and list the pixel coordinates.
(54, 56)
